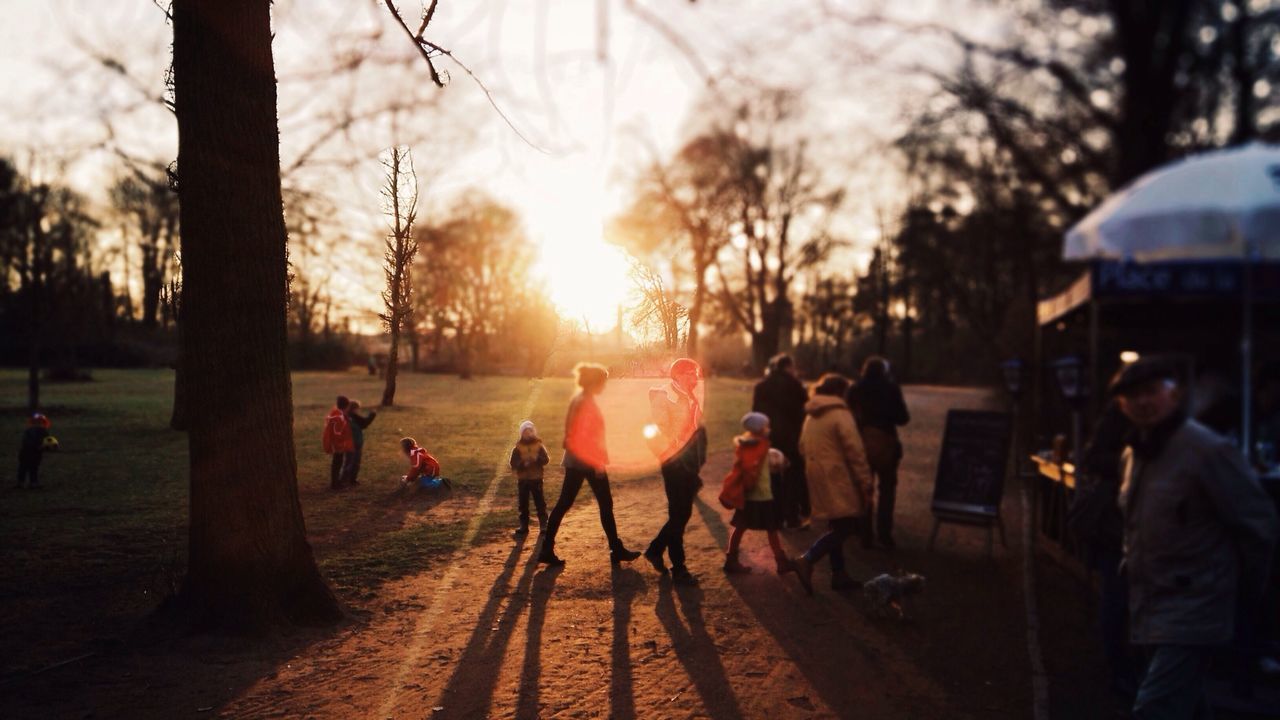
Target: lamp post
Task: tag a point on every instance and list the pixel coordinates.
(1069, 374)
(1014, 371)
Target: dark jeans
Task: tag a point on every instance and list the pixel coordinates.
(335, 469)
(682, 487)
(833, 543)
(886, 499)
(527, 489)
(28, 470)
(573, 479)
(351, 467)
(1173, 686)
(794, 497)
(1113, 617)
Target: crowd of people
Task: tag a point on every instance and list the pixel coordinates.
(802, 455)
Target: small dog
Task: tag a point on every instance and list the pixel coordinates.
(886, 592)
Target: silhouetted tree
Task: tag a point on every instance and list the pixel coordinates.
(150, 209)
(249, 564)
(400, 203)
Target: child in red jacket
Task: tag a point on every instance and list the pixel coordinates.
(755, 465)
(423, 467)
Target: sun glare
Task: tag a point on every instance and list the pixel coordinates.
(586, 277)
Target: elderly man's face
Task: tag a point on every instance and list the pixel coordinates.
(1151, 403)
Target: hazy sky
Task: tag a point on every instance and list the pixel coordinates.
(594, 90)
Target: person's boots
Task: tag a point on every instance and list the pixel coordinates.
(620, 554)
(804, 572)
(547, 556)
(523, 529)
(840, 580)
(784, 564)
(682, 576)
(732, 566)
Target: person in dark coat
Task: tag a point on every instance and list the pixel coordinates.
(1199, 532)
(31, 451)
(878, 406)
(357, 423)
(1094, 519)
(781, 396)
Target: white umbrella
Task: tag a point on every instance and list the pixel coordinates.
(1217, 205)
(1221, 205)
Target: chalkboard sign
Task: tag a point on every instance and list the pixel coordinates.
(975, 450)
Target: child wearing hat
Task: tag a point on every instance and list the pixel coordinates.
(757, 468)
(31, 452)
(528, 458)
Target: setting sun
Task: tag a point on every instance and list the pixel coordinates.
(586, 277)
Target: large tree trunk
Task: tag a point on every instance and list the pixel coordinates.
(250, 565)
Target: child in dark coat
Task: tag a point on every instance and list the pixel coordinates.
(528, 458)
(31, 452)
(759, 468)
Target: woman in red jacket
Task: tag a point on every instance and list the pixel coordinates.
(585, 458)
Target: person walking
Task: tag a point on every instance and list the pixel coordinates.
(840, 482)
(585, 460)
(337, 441)
(680, 439)
(1199, 532)
(780, 396)
(358, 423)
(749, 492)
(879, 409)
(528, 458)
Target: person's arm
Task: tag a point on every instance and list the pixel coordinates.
(901, 416)
(543, 457)
(415, 470)
(855, 454)
(1244, 506)
(515, 458)
(364, 420)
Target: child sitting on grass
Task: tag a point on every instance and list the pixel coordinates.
(424, 469)
(528, 458)
(754, 469)
(31, 452)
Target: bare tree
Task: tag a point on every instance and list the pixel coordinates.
(400, 203)
(152, 207)
(655, 308)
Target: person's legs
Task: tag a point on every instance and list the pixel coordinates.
(663, 538)
(351, 467)
(33, 472)
(735, 540)
(539, 502)
(1173, 686)
(604, 500)
(568, 492)
(885, 502)
(679, 510)
(1113, 619)
(335, 470)
(522, 503)
(802, 489)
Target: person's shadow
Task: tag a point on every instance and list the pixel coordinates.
(527, 705)
(626, 584)
(695, 649)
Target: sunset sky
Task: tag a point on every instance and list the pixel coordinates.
(597, 93)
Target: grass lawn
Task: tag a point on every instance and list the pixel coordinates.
(93, 551)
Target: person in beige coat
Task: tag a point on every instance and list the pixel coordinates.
(840, 481)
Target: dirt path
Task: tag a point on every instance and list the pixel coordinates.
(516, 640)
(506, 638)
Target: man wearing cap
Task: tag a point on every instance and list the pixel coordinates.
(1198, 534)
(681, 445)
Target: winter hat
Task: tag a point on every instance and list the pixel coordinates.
(755, 422)
(527, 425)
